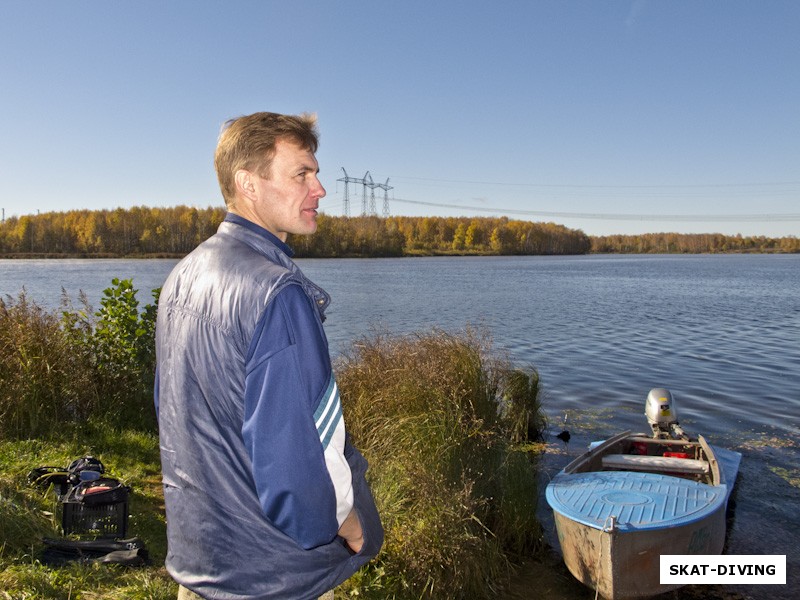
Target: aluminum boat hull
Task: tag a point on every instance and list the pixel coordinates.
(614, 525)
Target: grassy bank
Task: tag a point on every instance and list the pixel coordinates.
(28, 514)
(445, 421)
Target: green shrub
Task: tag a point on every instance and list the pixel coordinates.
(118, 341)
(456, 498)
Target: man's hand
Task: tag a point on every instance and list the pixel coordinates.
(351, 532)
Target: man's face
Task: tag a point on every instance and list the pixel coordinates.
(288, 200)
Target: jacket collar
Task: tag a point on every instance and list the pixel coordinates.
(319, 296)
(238, 220)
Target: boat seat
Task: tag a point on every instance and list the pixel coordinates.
(664, 464)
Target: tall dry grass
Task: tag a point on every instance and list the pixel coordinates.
(61, 370)
(44, 382)
(437, 416)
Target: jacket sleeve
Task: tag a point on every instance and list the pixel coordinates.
(293, 428)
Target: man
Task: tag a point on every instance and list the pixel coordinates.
(265, 497)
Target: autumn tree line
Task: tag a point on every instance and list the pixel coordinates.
(142, 231)
(170, 232)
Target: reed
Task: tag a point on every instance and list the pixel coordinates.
(431, 414)
(43, 381)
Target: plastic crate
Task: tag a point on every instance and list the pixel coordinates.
(98, 520)
(101, 514)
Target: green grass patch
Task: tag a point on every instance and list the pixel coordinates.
(28, 514)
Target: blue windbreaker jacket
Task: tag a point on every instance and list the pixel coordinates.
(248, 417)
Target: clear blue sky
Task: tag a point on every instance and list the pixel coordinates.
(682, 115)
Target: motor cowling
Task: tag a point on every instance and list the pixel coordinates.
(661, 413)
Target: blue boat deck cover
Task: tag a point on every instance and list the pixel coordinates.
(639, 501)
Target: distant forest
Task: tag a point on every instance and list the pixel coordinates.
(692, 243)
(173, 232)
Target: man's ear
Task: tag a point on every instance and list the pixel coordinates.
(244, 183)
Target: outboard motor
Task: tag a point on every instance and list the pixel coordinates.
(662, 415)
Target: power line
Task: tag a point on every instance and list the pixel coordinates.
(609, 186)
(614, 217)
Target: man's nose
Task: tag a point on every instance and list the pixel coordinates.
(320, 191)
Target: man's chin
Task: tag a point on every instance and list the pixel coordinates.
(307, 227)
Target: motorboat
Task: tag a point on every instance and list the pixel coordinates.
(636, 496)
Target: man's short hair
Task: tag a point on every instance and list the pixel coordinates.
(249, 143)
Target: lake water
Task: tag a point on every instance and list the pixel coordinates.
(721, 332)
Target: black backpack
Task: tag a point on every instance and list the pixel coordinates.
(85, 468)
